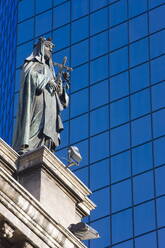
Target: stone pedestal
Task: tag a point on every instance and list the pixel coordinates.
(58, 190)
(37, 213)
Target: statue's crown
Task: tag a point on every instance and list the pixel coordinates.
(43, 40)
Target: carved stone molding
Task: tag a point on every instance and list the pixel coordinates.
(6, 230)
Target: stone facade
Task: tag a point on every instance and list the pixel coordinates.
(39, 199)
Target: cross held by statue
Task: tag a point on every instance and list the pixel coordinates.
(63, 66)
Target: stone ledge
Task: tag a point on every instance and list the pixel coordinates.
(8, 157)
(27, 210)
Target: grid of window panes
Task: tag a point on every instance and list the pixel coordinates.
(8, 25)
(116, 115)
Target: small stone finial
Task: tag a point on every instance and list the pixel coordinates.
(7, 230)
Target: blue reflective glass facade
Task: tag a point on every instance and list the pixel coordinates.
(8, 27)
(117, 109)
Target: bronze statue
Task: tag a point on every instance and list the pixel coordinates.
(43, 96)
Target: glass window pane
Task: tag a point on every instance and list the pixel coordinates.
(142, 193)
(122, 226)
(141, 130)
(101, 169)
(139, 52)
(119, 86)
(116, 34)
(160, 211)
(139, 77)
(158, 99)
(23, 36)
(96, 125)
(119, 112)
(159, 151)
(80, 77)
(83, 27)
(120, 167)
(157, 69)
(159, 123)
(118, 12)
(59, 56)
(97, 4)
(99, 147)
(79, 128)
(64, 135)
(17, 80)
(161, 235)
(142, 159)
(99, 94)
(82, 174)
(138, 27)
(148, 240)
(118, 61)
(58, 19)
(65, 114)
(157, 42)
(127, 244)
(61, 37)
(79, 8)
(104, 233)
(102, 200)
(153, 3)
(99, 45)
(99, 69)
(140, 103)
(135, 8)
(121, 195)
(22, 9)
(56, 2)
(144, 218)
(157, 19)
(43, 23)
(42, 5)
(77, 57)
(81, 99)
(160, 182)
(120, 139)
(23, 52)
(99, 21)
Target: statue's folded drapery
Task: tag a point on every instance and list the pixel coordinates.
(38, 121)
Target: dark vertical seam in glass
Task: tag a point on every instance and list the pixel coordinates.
(130, 130)
(52, 23)
(110, 190)
(34, 31)
(89, 89)
(152, 135)
(13, 97)
(70, 60)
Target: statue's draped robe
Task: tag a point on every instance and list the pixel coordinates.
(38, 121)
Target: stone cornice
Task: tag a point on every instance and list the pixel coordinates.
(8, 156)
(27, 209)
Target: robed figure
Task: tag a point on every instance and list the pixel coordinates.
(42, 98)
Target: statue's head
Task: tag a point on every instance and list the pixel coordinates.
(45, 47)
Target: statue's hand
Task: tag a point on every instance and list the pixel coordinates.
(51, 86)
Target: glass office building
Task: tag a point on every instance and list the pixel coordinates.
(117, 107)
(8, 25)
